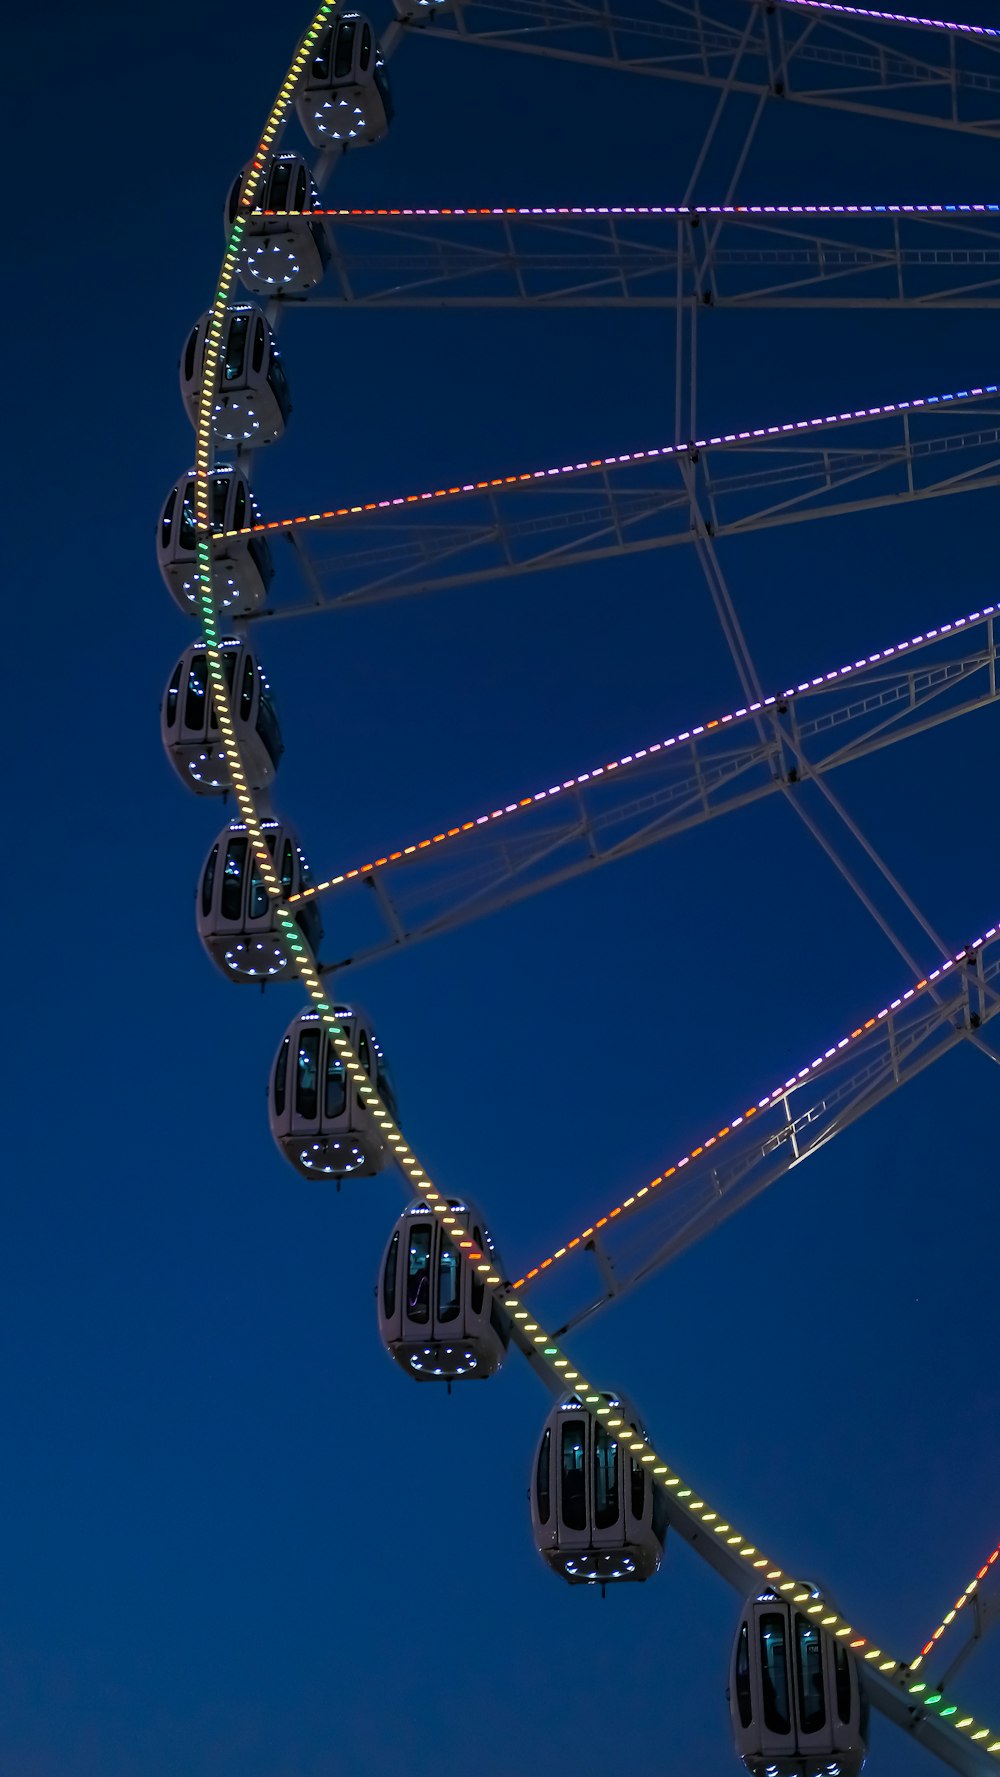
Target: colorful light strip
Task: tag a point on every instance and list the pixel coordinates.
(529, 1330)
(663, 451)
(770, 1098)
(206, 537)
(893, 18)
(684, 211)
(959, 1604)
(820, 682)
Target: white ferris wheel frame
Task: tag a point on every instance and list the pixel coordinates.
(957, 999)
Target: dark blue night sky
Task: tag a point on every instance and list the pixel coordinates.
(236, 1541)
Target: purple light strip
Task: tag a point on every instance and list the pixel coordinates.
(682, 210)
(894, 18)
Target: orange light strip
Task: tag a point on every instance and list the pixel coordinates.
(652, 454)
(960, 1602)
(676, 1171)
(820, 682)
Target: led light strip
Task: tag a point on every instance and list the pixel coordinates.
(204, 454)
(529, 1331)
(300, 951)
(409, 212)
(770, 1098)
(821, 681)
(959, 1604)
(893, 18)
(788, 428)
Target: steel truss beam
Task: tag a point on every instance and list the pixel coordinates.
(976, 1610)
(761, 257)
(786, 1128)
(880, 67)
(983, 1615)
(641, 501)
(620, 808)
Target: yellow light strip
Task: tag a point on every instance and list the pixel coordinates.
(959, 1604)
(675, 1173)
(204, 455)
(529, 1331)
(821, 681)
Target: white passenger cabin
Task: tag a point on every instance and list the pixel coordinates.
(189, 723)
(237, 919)
(283, 254)
(794, 1697)
(318, 1118)
(596, 1514)
(250, 399)
(242, 569)
(436, 1316)
(345, 95)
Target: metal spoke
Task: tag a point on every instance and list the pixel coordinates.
(638, 501)
(702, 1189)
(946, 79)
(539, 841)
(753, 257)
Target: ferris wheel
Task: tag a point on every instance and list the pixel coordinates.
(604, 1497)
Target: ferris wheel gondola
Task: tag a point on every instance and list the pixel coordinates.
(345, 97)
(189, 723)
(242, 569)
(435, 1315)
(595, 1513)
(237, 917)
(287, 253)
(796, 1706)
(250, 398)
(319, 1118)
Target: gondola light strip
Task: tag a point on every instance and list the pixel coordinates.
(653, 453)
(959, 1604)
(639, 754)
(305, 963)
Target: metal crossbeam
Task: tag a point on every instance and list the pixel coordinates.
(758, 257)
(877, 67)
(619, 808)
(703, 1189)
(982, 1616)
(640, 501)
(975, 1611)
